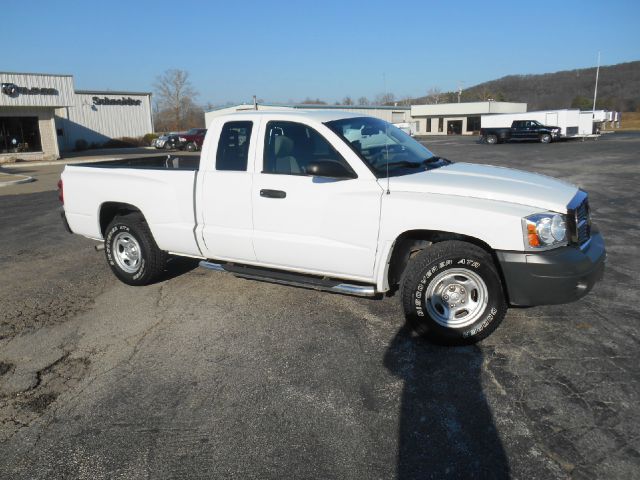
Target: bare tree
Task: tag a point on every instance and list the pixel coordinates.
(363, 101)
(347, 100)
(312, 101)
(385, 98)
(433, 96)
(175, 97)
(406, 100)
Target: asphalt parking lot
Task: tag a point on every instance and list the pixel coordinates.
(204, 375)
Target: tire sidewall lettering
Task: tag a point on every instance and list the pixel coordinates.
(472, 264)
(108, 247)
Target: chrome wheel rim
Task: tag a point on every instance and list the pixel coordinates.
(456, 298)
(126, 252)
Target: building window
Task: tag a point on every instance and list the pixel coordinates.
(473, 124)
(428, 124)
(440, 125)
(19, 134)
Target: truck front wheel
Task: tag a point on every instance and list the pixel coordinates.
(132, 252)
(545, 138)
(452, 293)
(492, 139)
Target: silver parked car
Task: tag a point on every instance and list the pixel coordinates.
(164, 141)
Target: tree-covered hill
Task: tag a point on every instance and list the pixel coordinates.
(618, 89)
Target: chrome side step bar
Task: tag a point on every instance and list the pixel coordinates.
(292, 279)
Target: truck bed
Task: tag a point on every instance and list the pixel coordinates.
(162, 186)
(158, 162)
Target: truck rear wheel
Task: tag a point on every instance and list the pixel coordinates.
(132, 252)
(452, 293)
(492, 139)
(545, 138)
(191, 147)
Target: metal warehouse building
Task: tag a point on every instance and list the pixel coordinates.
(42, 115)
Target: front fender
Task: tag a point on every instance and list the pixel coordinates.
(497, 224)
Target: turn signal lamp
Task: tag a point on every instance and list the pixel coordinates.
(544, 230)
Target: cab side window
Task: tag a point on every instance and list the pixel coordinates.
(289, 147)
(233, 146)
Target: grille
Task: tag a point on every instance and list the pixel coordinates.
(583, 222)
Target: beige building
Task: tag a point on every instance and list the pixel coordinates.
(42, 115)
(458, 118)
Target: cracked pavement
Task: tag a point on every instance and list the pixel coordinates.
(204, 375)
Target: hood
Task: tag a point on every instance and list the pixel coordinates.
(490, 183)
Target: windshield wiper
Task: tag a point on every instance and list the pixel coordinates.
(406, 163)
(433, 159)
(422, 163)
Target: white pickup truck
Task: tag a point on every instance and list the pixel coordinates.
(351, 204)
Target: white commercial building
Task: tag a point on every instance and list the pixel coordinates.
(42, 115)
(438, 119)
(398, 114)
(458, 118)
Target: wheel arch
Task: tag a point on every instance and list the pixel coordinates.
(411, 242)
(109, 210)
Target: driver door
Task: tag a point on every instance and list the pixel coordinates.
(313, 224)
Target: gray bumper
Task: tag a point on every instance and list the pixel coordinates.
(556, 276)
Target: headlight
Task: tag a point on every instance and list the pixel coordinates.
(544, 230)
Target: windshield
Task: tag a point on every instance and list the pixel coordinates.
(382, 145)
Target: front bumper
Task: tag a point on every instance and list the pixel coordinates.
(556, 276)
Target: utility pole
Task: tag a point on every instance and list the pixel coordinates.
(595, 92)
(460, 90)
(255, 103)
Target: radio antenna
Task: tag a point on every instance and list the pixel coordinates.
(386, 146)
(595, 92)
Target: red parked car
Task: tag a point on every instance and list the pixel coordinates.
(192, 139)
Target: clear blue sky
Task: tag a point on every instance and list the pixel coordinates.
(287, 50)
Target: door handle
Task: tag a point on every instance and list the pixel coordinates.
(272, 193)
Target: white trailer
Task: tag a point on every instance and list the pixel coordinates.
(567, 120)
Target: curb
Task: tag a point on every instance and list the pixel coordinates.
(24, 179)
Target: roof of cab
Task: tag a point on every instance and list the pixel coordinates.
(317, 115)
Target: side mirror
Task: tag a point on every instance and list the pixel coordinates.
(329, 169)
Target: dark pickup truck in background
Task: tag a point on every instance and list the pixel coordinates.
(520, 130)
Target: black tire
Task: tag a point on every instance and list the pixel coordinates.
(191, 147)
(149, 263)
(491, 139)
(545, 138)
(453, 265)
(167, 146)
